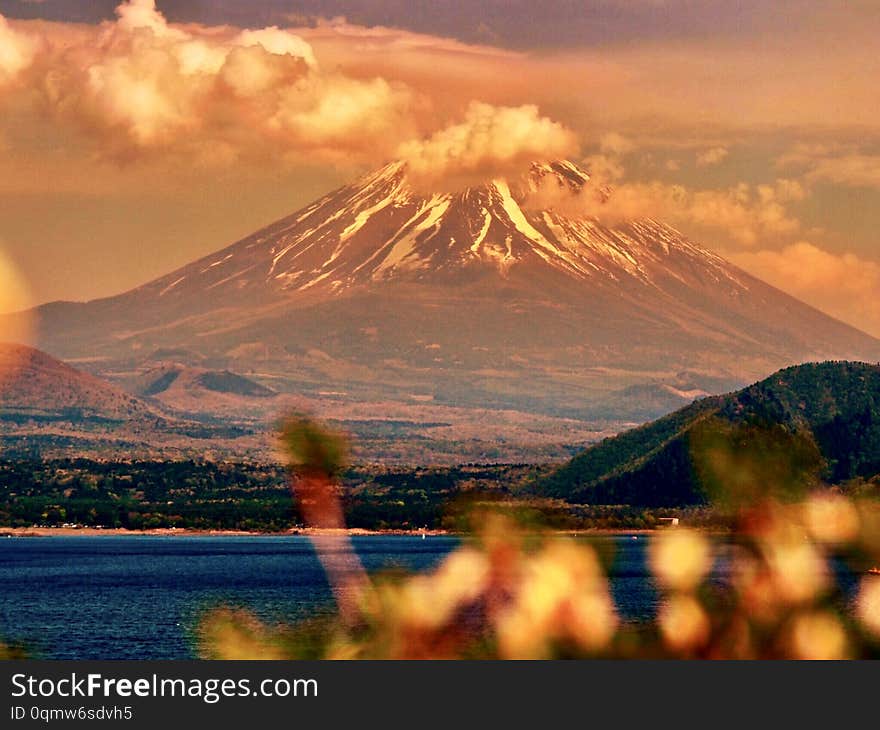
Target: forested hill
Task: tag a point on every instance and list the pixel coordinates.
(825, 415)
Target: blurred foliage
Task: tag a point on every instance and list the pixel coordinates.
(515, 591)
(512, 593)
(312, 449)
(743, 463)
(251, 496)
(8, 652)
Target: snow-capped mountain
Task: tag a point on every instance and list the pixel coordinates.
(378, 231)
(476, 297)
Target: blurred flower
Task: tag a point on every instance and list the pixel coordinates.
(818, 635)
(590, 620)
(684, 624)
(736, 640)
(798, 570)
(562, 596)
(460, 579)
(680, 559)
(756, 588)
(518, 594)
(868, 606)
(316, 456)
(431, 600)
(831, 518)
(11, 652)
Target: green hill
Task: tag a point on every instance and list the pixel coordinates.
(802, 424)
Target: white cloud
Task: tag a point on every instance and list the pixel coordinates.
(614, 143)
(137, 14)
(141, 85)
(744, 214)
(854, 170)
(841, 164)
(489, 142)
(280, 42)
(713, 156)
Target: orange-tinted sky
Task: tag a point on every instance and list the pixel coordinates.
(133, 140)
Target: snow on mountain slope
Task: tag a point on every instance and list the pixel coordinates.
(378, 230)
(476, 297)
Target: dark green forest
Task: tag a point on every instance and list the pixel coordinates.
(804, 425)
(234, 495)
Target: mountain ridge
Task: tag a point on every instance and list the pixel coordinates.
(832, 407)
(35, 384)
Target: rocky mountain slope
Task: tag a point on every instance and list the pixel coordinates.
(36, 385)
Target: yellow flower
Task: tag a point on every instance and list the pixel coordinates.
(831, 518)
(431, 600)
(680, 559)
(798, 571)
(561, 595)
(818, 635)
(591, 620)
(683, 623)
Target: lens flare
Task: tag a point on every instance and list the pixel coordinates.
(14, 297)
(15, 324)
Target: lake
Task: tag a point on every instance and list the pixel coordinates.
(138, 597)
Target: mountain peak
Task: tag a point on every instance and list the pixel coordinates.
(565, 174)
(379, 229)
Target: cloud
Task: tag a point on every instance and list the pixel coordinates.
(853, 170)
(709, 84)
(279, 42)
(843, 285)
(343, 115)
(614, 143)
(208, 92)
(491, 141)
(745, 214)
(17, 52)
(712, 156)
(703, 87)
(136, 14)
(838, 163)
(141, 86)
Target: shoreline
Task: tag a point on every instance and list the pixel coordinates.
(188, 532)
(9, 532)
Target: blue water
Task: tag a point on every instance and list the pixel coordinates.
(138, 597)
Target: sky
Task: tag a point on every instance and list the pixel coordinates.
(136, 136)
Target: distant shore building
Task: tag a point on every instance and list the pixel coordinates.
(668, 521)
